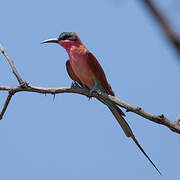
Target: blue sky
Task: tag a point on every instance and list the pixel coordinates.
(71, 137)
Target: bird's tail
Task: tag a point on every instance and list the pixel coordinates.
(118, 114)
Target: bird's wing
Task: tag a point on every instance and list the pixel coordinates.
(71, 73)
(97, 69)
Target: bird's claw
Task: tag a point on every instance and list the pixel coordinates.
(91, 91)
(89, 98)
(90, 95)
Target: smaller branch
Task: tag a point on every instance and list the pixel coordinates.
(21, 82)
(11, 93)
(173, 38)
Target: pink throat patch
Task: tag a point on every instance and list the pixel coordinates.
(67, 44)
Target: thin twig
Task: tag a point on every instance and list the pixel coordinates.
(6, 104)
(174, 39)
(21, 82)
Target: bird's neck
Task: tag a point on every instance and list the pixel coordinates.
(77, 52)
(69, 46)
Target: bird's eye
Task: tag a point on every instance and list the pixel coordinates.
(66, 37)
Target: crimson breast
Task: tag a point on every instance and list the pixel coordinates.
(80, 66)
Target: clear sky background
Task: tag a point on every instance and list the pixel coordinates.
(71, 137)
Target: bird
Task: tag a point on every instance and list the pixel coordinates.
(83, 68)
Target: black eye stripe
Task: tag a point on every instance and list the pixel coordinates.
(66, 36)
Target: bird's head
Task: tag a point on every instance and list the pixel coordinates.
(66, 40)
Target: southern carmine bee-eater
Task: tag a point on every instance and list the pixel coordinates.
(83, 67)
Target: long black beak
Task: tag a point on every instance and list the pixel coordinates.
(53, 40)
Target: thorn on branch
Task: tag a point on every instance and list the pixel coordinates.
(54, 95)
(89, 98)
(162, 116)
(138, 108)
(178, 119)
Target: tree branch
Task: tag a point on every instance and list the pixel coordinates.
(173, 38)
(24, 87)
(21, 82)
(160, 119)
(6, 104)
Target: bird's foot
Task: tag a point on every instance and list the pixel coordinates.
(91, 91)
(89, 96)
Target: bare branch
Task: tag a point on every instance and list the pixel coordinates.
(174, 39)
(21, 82)
(160, 119)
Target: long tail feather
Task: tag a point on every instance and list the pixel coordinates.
(127, 130)
(142, 150)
